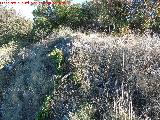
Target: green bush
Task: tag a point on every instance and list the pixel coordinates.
(45, 110)
(57, 57)
(101, 16)
(13, 27)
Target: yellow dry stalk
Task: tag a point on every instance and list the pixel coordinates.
(158, 12)
(125, 30)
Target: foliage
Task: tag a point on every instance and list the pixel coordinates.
(75, 77)
(51, 17)
(84, 113)
(7, 52)
(45, 110)
(103, 16)
(41, 28)
(120, 75)
(45, 20)
(101, 62)
(13, 27)
(115, 13)
(57, 57)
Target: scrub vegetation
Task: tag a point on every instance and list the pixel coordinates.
(91, 61)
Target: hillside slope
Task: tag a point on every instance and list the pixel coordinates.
(103, 77)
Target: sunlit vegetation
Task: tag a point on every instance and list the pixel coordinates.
(13, 27)
(101, 16)
(57, 57)
(99, 60)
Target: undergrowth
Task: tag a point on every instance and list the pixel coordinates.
(103, 77)
(56, 56)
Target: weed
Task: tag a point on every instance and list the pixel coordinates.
(45, 110)
(57, 57)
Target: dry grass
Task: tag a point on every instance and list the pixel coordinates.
(127, 69)
(117, 78)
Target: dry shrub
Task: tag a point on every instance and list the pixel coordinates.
(122, 71)
(116, 78)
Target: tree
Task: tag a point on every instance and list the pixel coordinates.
(13, 27)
